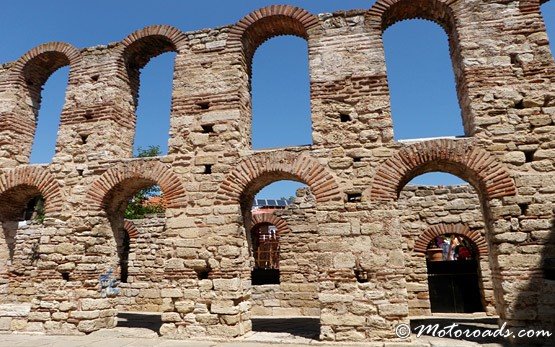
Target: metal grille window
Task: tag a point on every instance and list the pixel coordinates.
(266, 247)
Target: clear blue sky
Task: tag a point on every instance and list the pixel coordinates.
(419, 69)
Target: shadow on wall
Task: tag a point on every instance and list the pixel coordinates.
(537, 301)
(137, 320)
(303, 327)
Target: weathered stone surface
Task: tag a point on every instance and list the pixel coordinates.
(352, 247)
(14, 310)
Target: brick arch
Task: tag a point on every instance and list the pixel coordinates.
(490, 178)
(27, 179)
(421, 244)
(144, 44)
(270, 218)
(47, 57)
(143, 172)
(263, 24)
(131, 229)
(385, 13)
(24, 82)
(256, 171)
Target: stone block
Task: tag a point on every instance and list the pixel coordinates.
(95, 304)
(224, 307)
(15, 310)
(5, 323)
(222, 284)
(393, 310)
(18, 324)
(169, 317)
(342, 319)
(85, 314)
(171, 293)
(184, 306)
(67, 305)
(38, 316)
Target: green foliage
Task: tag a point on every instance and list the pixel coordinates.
(150, 151)
(137, 207)
(38, 213)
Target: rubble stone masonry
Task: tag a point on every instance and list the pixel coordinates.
(198, 254)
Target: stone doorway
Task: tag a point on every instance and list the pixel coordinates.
(454, 286)
(453, 275)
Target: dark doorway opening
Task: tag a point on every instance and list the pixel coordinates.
(454, 286)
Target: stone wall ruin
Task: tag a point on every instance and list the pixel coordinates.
(355, 170)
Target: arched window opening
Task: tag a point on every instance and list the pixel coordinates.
(153, 102)
(264, 237)
(281, 94)
(133, 199)
(149, 61)
(48, 109)
(422, 84)
(445, 229)
(548, 13)
(147, 201)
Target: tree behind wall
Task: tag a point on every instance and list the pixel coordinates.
(139, 206)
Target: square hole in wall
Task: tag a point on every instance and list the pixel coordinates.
(208, 169)
(84, 138)
(345, 117)
(529, 155)
(65, 276)
(523, 208)
(357, 159)
(354, 197)
(80, 172)
(203, 105)
(207, 128)
(202, 274)
(88, 115)
(519, 105)
(361, 276)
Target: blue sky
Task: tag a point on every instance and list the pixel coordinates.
(419, 69)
